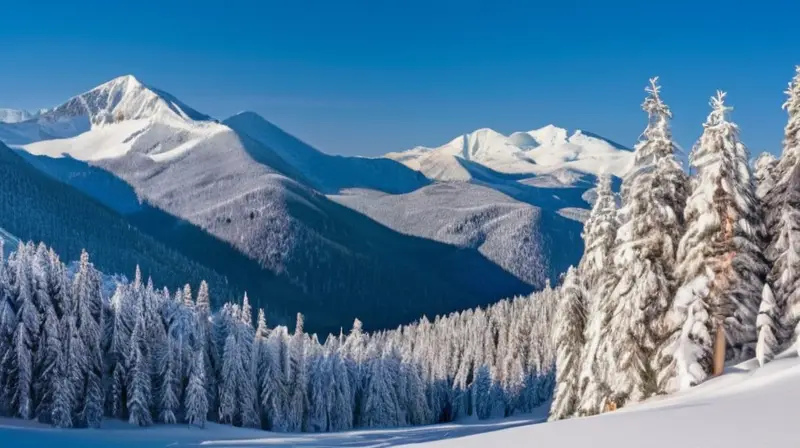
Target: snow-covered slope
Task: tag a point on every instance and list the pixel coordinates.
(327, 173)
(14, 115)
(745, 408)
(531, 243)
(537, 152)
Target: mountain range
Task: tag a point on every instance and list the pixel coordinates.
(424, 231)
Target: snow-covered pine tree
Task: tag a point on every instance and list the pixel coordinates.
(248, 385)
(187, 296)
(641, 287)
(720, 264)
(569, 340)
(19, 371)
(765, 323)
(483, 393)
(782, 216)
(169, 380)
(318, 391)
(121, 320)
(203, 299)
(274, 386)
(64, 391)
(88, 299)
(599, 235)
(231, 375)
(297, 379)
(48, 356)
(196, 403)
(139, 391)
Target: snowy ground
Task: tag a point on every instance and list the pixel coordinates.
(747, 407)
(15, 433)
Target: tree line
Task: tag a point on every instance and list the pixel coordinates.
(690, 271)
(72, 357)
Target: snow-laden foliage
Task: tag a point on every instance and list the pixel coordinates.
(782, 217)
(568, 327)
(767, 345)
(640, 287)
(72, 356)
(720, 264)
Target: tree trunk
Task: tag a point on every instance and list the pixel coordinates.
(719, 351)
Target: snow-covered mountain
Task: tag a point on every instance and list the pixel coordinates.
(532, 243)
(258, 189)
(547, 151)
(14, 115)
(34, 207)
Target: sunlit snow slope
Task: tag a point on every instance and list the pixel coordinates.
(537, 152)
(747, 407)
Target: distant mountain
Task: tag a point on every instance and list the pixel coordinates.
(546, 151)
(14, 116)
(257, 189)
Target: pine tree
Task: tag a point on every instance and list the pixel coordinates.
(187, 296)
(87, 295)
(767, 317)
(569, 329)
(482, 390)
(228, 407)
(640, 290)
(719, 257)
(782, 216)
(595, 268)
(196, 404)
(169, 379)
(139, 383)
(50, 352)
(298, 379)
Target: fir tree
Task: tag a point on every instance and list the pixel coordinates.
(719, 257)
(482, 390)
(782, 216)
(639, 292)
(139, 383)
(595, 268)
(569, 329)
(196, 404)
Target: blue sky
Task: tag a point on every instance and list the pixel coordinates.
(368, 76)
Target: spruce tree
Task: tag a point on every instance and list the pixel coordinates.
(599, 235)
(196, 404)
(139, 389)
(569, 340)
(720, 264)
(782, 216)
(639, 292)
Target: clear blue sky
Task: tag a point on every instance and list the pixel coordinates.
(372, 76)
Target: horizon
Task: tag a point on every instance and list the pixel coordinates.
(364, 79)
